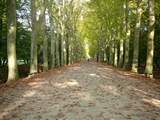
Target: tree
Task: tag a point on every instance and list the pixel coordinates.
(44, 37)
(11, 41)
(51, 10)
(34, 59)
(127, 38)
(137, 36)
(150, 44)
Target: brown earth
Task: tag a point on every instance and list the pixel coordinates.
(86, 91)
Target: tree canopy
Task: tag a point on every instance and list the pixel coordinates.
(53, 33)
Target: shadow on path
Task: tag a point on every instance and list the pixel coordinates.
(88, 91)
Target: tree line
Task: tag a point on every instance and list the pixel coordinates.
(124, 33)
(46, 34)
(39, 33)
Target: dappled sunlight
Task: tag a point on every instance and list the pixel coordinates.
(11, 107)
(152, 101)
(146, 97)
(104, 68)
(81, 92)
(76, 68)
(29, 93)
(110, 89)
(94, 75)
(79, 60)
(37, 84)
(29, 78)
(71, 83)
(140, 92)
(106, 77)
(129, 74)
(86, 96)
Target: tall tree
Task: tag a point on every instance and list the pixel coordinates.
(34, 59)
(115, 55)
(150, 44)
(52, 27)
(121, 52)
(44, 37)
(127, 36)
(137, 35)
(11, 41)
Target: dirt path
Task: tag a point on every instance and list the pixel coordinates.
(85, 92)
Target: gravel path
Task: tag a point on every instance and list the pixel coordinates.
(88, 91)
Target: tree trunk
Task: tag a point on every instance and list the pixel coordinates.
(115, 55)
(34, 59)
(61, 34)
(136, 39)
(127, 40)
(111, 54)
(98, 52)
(11, 41)
(62, 45)
(45, 53)
(67, 50)
(57, 50)
(52, 45)
(121, 52)
(44, 37)
(150, 44)
(71, 55)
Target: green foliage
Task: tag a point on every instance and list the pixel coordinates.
(101, 24)
(3, 32)
(104, 25)
(23, 43)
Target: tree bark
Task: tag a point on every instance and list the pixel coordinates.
(34, 59)
(52, 44)
(121, 52)
(11, 41)
(136, 39)
(127, 40)
(111, 54)
(44, 37)
(115, 55)
(67, 50)
(57, 50)
(150, 43)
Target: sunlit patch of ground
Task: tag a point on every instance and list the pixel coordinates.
(87, 91)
